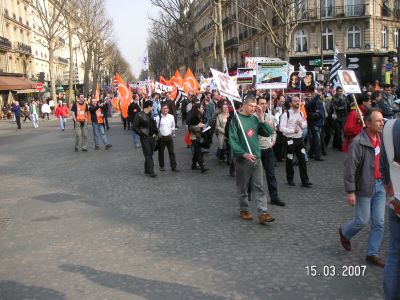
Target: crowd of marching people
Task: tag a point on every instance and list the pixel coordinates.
(253, 135)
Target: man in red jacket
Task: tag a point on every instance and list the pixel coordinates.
(62, 113)
(353, 125)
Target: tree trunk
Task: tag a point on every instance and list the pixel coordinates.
(88, 64)
(220, 35)
(95, 69)
(51, 71)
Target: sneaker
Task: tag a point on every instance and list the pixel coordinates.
(138, 146)
(246, 215)
(108, 146)
(278, 202)
(265, 218)
(85, 150)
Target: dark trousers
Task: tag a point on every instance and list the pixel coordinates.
(323, 137)
(105, 123)
(338, 135)
(197, 155)
(18, 120)
(46, 114)
(126, 122)
(327, 131)
(166, 141)
(279, 146)
(296, 146)
(27, 117)
(148, 150)
(267, 158)
(315, 148)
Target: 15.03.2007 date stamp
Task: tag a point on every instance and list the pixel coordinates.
(339, 271)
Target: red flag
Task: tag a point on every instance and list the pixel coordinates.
(178, 80)
(97, 94)
(124, 95)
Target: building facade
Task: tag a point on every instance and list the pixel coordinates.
(366, 31)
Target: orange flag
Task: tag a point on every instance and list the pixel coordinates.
(165, 81)
(190, 82)
(124, 95)
(178, 80)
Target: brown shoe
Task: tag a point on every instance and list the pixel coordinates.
(345, 242)
(265, 218)
(375, 260)
(246, 215)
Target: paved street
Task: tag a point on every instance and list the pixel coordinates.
(91, 226)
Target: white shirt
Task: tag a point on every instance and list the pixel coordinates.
(45, 108)
(287, 127)
(167, 126)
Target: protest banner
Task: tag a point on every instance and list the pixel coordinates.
(245, 75)
(226, 85)
(272, 75)
(349, 82)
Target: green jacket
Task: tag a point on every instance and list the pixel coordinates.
(252, 127)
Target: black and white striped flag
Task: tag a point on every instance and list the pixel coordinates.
(180, 95)
(333, 76)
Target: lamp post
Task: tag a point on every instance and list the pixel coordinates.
(320, 28)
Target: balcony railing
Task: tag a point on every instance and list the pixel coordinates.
(231, 42)
(5, 44)
(332, 12)
(62, 60)
(227, 21)
(23, 48)
(243, 35)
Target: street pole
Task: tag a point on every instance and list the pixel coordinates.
(321, 37)
(398, 57)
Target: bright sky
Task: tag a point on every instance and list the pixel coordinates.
(130, 19)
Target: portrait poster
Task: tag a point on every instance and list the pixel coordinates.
(245, 76)
(226, 85)
(272, 75)
(296, 84)
(349, 82)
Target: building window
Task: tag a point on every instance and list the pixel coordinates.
(300, 41)
(354, 37)
(327, 39)
(6, 12)
(327, 8)
(396, 38)
(300, 8)
(14, 16)
(20, 19)
(384, 37)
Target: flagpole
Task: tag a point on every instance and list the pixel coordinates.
(241, 127)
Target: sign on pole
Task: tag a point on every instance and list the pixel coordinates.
(39, 86)
(251, 62)
(245, 76)
(226, 85)
(272, 75)
(349, 82)
(298, 84)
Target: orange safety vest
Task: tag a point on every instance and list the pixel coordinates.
(80, 112)
(99, 116)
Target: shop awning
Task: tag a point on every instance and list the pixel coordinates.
(11, 83)
(27, 91)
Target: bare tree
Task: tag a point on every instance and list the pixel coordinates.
(93, 22)
(277, 19)
(50, 23)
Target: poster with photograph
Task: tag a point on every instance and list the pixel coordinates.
(296, 84)
(272, 75)
(349, 82)
(251, 62)
(245, 76)
(226, 85)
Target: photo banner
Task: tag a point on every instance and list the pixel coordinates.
(226, 85)
(245, 76)
(272, 75)
(296, 84)
(349, 82)
(251, 62)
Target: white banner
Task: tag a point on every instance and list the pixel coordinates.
(162, 88)
(226, 85)
(251, 62)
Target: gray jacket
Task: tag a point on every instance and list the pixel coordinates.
(360, 166)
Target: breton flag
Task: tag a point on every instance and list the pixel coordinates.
(333, 76)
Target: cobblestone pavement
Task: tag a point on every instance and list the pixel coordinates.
(91, 226)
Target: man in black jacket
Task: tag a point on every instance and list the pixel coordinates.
(145, 126)
(133, 109)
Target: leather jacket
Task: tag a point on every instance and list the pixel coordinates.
(144, 124)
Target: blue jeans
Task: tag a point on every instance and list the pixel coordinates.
(304, 137)
(391, 281)
(135, 138)
(63, 122)
(98, 129)
(364, 208)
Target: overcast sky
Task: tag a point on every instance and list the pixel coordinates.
(130, 18)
